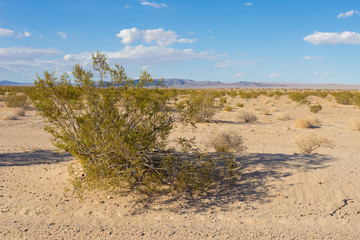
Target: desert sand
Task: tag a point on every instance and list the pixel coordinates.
(282, 194)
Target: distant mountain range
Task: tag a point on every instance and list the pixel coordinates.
(186, 83)
(10, 83)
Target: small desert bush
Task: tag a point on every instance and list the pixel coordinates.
(227, 142)
(355, 124)
(265, 111)
(247, 117)
(16, 100)
(240, 105)
(200, 106)
(20, 112)
(283, 116)
(11, 117)
(315, 108)
(228, 108)
(308, 123)
(310, 142)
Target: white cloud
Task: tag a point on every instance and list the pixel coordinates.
(248, 3)
(160, 36)
(152, 4)
(241, 63)
(25, 53)
(332, 72)
(275, 75)
(22, 58)
(27, 34)
(348, 14)
(333, 38)
(6, 32)
(62, 34)
(239, 74)
(308, 57)
(143, 55)
(127, 6)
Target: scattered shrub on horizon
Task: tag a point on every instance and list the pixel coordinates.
(310, 142)
(232, 93)
(240, 105)
(227, 142)
(228, 108)
(299, 97)
(247, 117)
(315, 108)
(308, 123)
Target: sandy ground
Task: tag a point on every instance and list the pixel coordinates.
(282, 194)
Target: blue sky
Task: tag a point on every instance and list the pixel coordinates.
(228, 41)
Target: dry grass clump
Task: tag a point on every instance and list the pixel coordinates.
(283, 116)
(308, 123)
(315, 108)
(247, 117)
(310, 142)
(355, 124)
(228, 108)
(11, 117)
(265, 111)
(20, 112)
(227, 142)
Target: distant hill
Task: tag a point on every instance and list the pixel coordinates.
(187, 83)
(10, 83)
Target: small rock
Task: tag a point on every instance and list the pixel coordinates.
(171, 233)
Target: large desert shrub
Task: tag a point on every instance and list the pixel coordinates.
(117, 130)
(310, 142)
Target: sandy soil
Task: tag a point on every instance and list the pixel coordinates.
(282, 194)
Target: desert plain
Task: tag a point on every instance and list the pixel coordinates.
(281, 193)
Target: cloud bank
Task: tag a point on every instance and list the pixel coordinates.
(151, 36)
(346, 37)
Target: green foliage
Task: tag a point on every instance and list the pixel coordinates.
(198, 107)
(240, 105)
(117, 130)
(13, 99)
(315, 108)
(228, 108)
(344, 98)
(298, 96)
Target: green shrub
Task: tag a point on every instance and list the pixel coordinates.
(117, 130)
(240, 105)
(16, 100)
(228, 108)
(315, 108)
(298, 96)
(200, 106)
